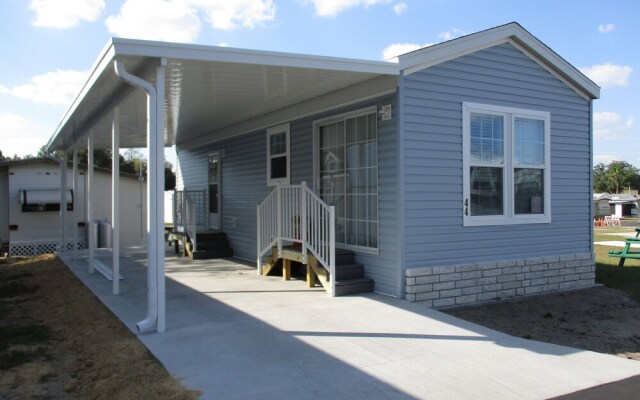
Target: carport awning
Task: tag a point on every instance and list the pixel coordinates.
(207, 89)
(44, 196)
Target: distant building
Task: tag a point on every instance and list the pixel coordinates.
(30, 207)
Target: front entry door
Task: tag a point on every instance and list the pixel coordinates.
(215, 190)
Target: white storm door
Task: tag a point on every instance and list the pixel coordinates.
(215, 191)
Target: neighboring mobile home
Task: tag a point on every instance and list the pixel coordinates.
(460, 174)
(30, 204)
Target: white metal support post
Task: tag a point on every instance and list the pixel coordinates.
(74, 183)
(89, 196)
(158, 176)
(63, 203)
(115, 201)
(155, 194)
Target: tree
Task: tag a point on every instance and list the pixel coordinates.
(169, 176)
(611, 178)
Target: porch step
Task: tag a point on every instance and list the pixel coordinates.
(354, 286)
(350, 277)
(349, 271)
(344, 257)
(210, 244)
(214, 253)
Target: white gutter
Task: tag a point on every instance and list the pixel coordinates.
(150, 322)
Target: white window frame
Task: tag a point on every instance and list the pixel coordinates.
(508, 216)
(274, 131)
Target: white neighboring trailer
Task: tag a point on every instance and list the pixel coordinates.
(30, 204)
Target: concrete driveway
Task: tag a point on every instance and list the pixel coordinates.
(235, 335)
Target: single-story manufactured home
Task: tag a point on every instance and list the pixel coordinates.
(460, 174)
(30, 201)
(619, 205)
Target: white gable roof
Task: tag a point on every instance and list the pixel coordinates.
(510, 33)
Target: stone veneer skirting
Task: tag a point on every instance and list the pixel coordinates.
(453, 285)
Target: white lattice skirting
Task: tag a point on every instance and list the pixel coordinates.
(27, 249)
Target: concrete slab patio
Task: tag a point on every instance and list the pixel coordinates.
(235, 335)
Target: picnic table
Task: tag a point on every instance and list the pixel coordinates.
(627, 252)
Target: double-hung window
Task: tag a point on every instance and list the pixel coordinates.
(278, 171)
(506, 165)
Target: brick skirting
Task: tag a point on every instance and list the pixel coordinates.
(454, 285)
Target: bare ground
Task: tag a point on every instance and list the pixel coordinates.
(80, 349)
(598, 319)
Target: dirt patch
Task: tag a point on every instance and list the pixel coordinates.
(59, 341)
(598, 319)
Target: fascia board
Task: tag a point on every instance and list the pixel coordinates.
(437, 54)
(129, 47)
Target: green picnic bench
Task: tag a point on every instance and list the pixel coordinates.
(627, 252)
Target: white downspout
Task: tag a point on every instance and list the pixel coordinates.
(151, 320)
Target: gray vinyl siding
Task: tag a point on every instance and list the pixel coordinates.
(244, 186)
(432, 170)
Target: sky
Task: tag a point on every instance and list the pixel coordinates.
(48, 47)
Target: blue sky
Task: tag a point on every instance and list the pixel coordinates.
(48, 46)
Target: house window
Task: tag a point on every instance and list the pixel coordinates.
(278, 155)
(506, 165)
(347, 171)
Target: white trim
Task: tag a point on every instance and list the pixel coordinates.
(157, 49)
(508, 216)
(512, 33)
(286, 129)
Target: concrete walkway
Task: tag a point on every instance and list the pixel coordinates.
(235, 335)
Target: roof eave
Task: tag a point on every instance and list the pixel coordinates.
(103, 62)
(145, 48)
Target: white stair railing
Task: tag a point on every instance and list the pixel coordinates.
(293, 213)
(188, 212)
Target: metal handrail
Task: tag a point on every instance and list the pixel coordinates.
(189, 212)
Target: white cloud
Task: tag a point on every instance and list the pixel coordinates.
(400, 8)
(608, 75)
(57, 88)
(173, 21)
(180, 20)
(331, 8)
(452, 34)
(33, 135)
(391, 52)
(605, 158)
(606, 28)
(228, 15)
(611, 126)
(63, 14)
